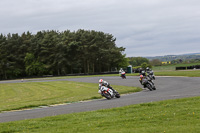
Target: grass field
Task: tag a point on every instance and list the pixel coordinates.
(34, 94)
(170, 70)
(192, 73)
(171, 116)
(172, 67)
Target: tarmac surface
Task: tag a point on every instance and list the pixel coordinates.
(167, 88)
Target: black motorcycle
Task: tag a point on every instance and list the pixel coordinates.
(147, 83)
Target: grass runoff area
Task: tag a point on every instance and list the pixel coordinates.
(170, 116)
(34, 94)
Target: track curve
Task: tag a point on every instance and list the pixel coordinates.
(167, 88)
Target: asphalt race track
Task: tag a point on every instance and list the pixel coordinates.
(167, 88)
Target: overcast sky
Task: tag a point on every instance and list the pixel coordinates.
(143, 27)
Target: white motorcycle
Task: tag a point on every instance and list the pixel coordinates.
(108, 93)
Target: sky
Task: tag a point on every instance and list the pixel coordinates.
(143, 27)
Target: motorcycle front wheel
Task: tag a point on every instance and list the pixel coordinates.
(106, 95)
(149, 87)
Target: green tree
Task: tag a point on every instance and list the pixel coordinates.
(155, 62)
(144, 65)
(3, 57)
(60, 53)
(33, 66)
(137, 61)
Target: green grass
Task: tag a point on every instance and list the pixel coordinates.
(170, 70)
(172, 67)
(34, 94)
(193, 73)
(67, 77)
(171, 116)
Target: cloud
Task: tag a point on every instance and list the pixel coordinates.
(144, 28)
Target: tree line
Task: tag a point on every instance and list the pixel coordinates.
(58, 53)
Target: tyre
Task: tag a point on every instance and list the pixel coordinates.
(149, 87)
(117, 95)
(106, 95)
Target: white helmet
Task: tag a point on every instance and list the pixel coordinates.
(100, 81)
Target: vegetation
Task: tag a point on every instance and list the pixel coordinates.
(58, 53)
(170, 70)
(137, 61)
(180, 115)
(171, 116)
(155, 62)
(195, 57)
(195, 73)
(172, 67)
(35, 94)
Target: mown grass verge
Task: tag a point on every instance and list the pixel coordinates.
(34, 94)
(170, 72)
(172, 67)
(191, 73)
(170, 116)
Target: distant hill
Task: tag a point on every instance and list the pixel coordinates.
(174, 57)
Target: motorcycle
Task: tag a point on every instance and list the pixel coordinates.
(147, 82)
(108, 93)
(123, 75)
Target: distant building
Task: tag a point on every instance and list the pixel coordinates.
(167, 62)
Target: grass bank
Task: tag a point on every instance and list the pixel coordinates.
(192, 73)
(34, 94)
(189, 73)
(172, 67)
(171, 116)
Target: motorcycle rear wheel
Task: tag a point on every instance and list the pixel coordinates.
(117, 95)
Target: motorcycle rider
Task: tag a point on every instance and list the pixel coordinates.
(123, 74)
(147, 70)
(120, 71)
(150, 73)
(141, 78)
(143, 75)
(105, 83)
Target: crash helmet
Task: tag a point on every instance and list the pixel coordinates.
(100, 81)
(142, 72)
(141, 76)
(147, 68)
